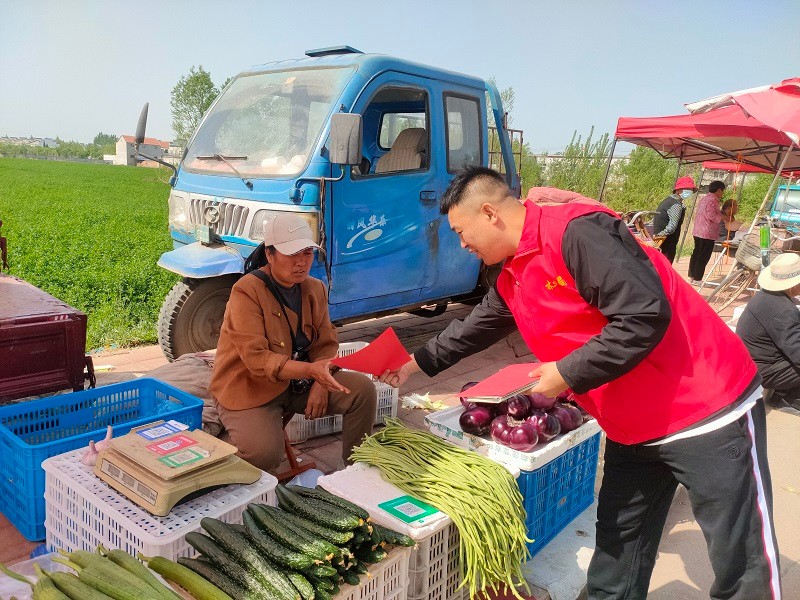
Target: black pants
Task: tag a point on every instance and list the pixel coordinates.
(703, 249)
(727, 477)
(670, 245)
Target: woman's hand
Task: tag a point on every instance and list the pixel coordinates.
(317, 405)
(320, 371)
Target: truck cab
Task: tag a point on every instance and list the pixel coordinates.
(785, 207)
(362, 146)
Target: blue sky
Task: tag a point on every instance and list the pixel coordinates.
(73, 68)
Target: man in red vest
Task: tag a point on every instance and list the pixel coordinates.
(672, 386)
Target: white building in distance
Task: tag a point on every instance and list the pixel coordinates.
(126, 155)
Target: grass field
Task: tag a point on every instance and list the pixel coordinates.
(90, 235)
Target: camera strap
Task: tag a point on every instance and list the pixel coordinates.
(270, 285)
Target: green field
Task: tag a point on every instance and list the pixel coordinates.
(91, 234)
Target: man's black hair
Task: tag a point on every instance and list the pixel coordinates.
(715, 186)
(454, 193)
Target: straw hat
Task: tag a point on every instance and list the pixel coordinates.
(782, 274)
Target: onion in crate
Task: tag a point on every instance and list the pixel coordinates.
(476, 421)
(541, 401)
(519, 435)
(568, 416)
(519, 406)
(546, 424)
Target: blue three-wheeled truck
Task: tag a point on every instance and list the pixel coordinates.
(360, 145)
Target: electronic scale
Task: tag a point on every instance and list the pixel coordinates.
(159, 464)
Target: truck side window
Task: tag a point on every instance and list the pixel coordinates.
(396, 131)
(463, 131)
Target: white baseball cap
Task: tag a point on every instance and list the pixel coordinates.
(288, 233)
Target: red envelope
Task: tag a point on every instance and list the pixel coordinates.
(385, 352)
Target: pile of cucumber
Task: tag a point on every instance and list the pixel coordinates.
(303, 550)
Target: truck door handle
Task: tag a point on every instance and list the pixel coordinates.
(427, 197)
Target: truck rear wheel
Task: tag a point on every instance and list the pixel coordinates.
(191, 316)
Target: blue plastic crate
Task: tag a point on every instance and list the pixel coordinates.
(33, 431)
(559, 491)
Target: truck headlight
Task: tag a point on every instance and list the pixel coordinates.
(177, 213)
(261, 216)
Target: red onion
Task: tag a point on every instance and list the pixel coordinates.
(547, 425)
(568, 416)
(564, 396)
(538, 400)
(519, 435)
(465, 401)
(476, 421)
(518, 406)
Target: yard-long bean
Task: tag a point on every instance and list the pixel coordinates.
(478, 494)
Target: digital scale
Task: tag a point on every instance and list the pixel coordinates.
(162, 463)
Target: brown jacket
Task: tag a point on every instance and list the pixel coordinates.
(255, 343)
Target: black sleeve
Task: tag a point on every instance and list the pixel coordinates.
(488, 323)
(613, 273)
(784, 330)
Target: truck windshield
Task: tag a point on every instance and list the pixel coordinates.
(787, 208)
(269, 121)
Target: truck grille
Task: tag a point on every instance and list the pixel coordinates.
(232, 217)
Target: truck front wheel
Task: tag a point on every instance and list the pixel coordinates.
(191, 316)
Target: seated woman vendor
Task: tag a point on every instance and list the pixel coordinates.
(274, 353)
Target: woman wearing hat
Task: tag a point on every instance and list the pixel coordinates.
(274, 353)
(770, 328)
(669, 216)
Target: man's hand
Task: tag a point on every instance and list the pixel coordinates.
(320, 371)
(317, 402)
(398, 378)
(551, 383)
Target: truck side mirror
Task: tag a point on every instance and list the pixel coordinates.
(345, 139)
(142, 124)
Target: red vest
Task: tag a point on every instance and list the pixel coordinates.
(698, 368)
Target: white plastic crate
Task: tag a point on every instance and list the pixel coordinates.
(388, 580)
(434, 569)
(300, 429)
(82, 512)
(434, 565)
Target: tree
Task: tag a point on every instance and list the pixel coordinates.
(640, 182)
(190, 99)
(580, 168)
(101, 139)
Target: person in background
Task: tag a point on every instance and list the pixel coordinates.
(669, 218)
(671, 385)
(706, 230)
(729, 225)
(770, 329)
(275, 348)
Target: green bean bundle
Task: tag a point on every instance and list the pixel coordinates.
(479, 495)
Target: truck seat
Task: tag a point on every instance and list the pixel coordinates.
(407, 153)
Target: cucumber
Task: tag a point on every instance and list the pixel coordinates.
(393, 537)
(371, 556)
(273, 549)
(320, 571)
(197, 586)
(224, 562)
(322, 545)
(322, 595)
(338, 538)
(319, 493)
(350, 578)
(211, 573)
(240, 547)
(317, 511)
(276, 528)
(137, 569)
(321, 583)
(360, 568)
(302, 585)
